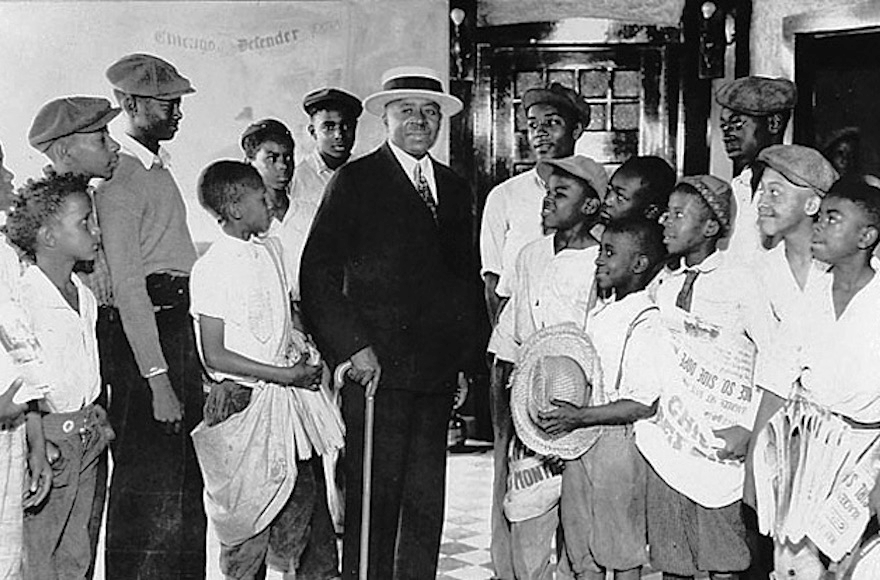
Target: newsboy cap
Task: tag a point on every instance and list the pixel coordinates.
(329, 97)
(757, 96)
(69, 115)
(560, 96)
(802, 166)
(715, 192)
(145, 75)
(579, 166)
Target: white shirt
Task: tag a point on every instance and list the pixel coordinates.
(511, 219)
(147, 158)
(306, 192)
(549, 288)
(240, 283)
(744, 244)
(785, 299)
(648, 350)
(837, 359)
(408, 162)
(67, 338)
(724, 293)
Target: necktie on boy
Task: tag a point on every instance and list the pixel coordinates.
(686, 294)
(424, 191)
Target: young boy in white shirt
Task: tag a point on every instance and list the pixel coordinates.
(551, 284)
(688, 536)
(603, 492)
(832, 356)
(241, 311)
(52, 222)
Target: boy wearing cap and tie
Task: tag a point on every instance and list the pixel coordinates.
(755, 112)
(695, 524)
(550, 284)
(556, 118)
(150, 254)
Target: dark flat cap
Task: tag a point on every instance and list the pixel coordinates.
(69, 115)
(264, 129)
(757, 95)
(561, 96)
(803, 166)
(716, 193)
(329, 98)
(146, 75)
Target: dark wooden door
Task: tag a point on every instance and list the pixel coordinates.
(632, 91)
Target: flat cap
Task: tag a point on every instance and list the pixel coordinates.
(264, 129)
(802, 166)
(715, 192)
(757, 95)
(561, 96)
(330, 97)
(578, 166)
(146, 75)
(69, 115)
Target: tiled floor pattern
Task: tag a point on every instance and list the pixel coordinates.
(464, 552)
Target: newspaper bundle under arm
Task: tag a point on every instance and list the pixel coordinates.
(813, 473)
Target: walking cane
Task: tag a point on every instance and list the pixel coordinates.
(370, 395)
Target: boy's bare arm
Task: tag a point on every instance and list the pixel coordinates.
(39, 479)
(221, 359)
(567, 417)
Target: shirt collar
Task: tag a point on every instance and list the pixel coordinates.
(47, 294)
(318, 163)
(712, 262)
(408, 162)
(147, 158)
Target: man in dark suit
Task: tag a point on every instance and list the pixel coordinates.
(388, 282)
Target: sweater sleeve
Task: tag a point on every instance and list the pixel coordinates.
(119, 215)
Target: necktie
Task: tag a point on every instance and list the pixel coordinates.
(425, 191)
(686, 294)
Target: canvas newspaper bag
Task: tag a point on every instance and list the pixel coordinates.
(249, 460)
(713, 388)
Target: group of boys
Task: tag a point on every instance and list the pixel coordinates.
(776, 268)
(138, 272)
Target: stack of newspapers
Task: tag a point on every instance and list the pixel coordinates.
(319, 423)
(813, 473)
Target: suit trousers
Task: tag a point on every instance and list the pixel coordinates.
(408, 481)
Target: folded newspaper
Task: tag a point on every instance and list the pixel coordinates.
(813, 473)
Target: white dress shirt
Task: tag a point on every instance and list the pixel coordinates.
(549, 288)
(67, 338)
(511, 219)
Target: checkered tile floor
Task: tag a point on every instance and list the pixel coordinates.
(464, 552)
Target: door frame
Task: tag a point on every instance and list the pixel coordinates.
(596, 34)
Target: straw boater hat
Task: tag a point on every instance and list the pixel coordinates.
(412, 81)
(558, 362)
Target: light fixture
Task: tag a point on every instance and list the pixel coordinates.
(457, 16)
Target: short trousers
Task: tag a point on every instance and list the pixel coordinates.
(686, 538)
(603, 505)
